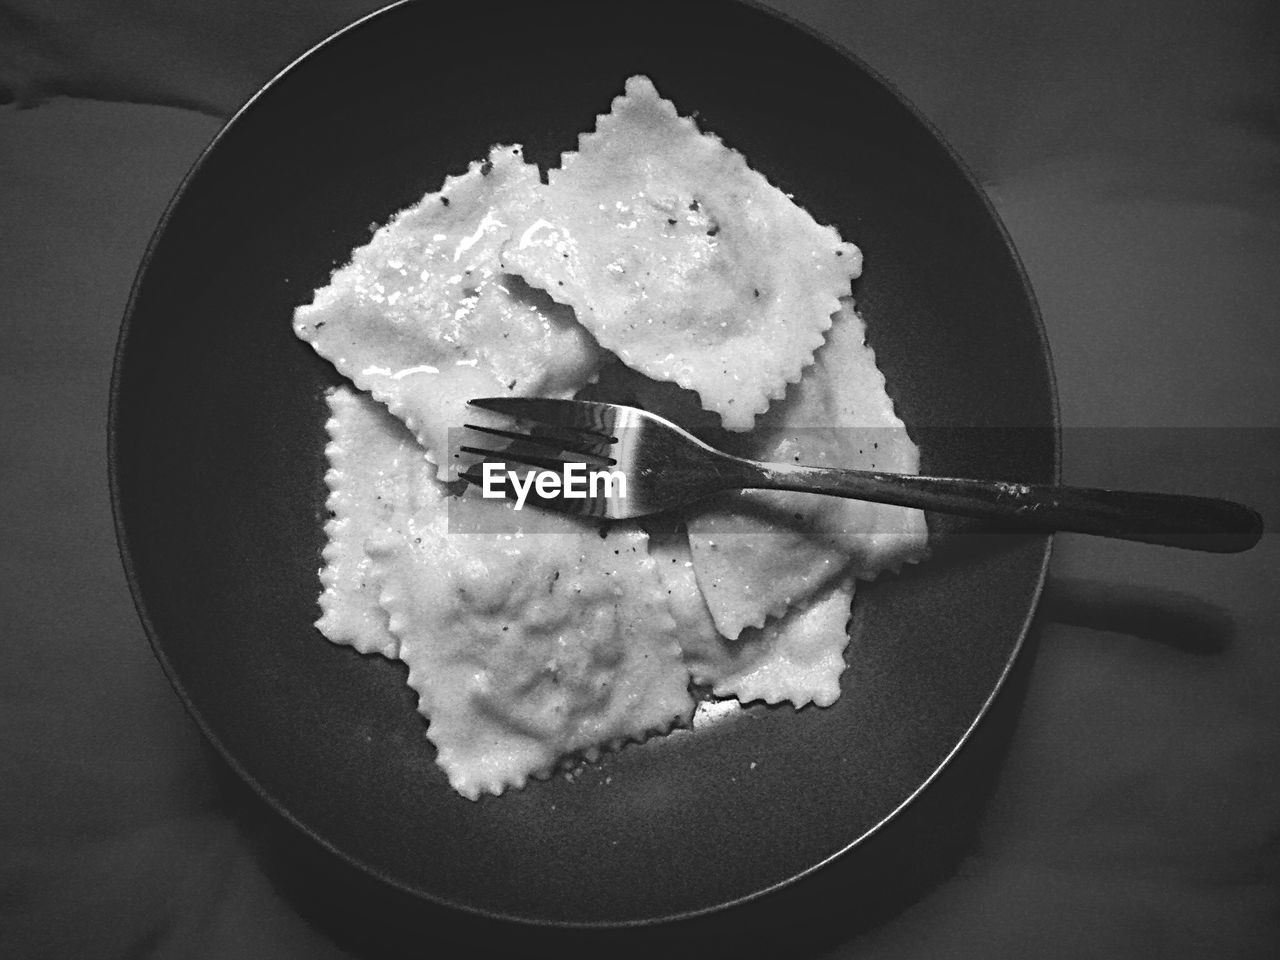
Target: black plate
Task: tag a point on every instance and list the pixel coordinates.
(217, 463)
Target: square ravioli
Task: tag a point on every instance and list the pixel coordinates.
(797, 658)
(682, 260)
(538, 639)
(424, 319)
(528, 647)
(758, 552)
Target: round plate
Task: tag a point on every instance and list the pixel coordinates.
(217, 455)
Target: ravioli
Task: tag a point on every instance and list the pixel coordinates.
(756, 553)
(526, 644)
(377, 474)
(423, 318)
(682, 260)
(531, 645)
(798, 658)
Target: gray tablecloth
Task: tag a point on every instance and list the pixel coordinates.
(1133, 150)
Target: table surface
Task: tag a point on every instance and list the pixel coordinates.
(1133, 151)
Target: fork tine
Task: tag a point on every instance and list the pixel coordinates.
(572, 441)
(516, 456)
(586, 416)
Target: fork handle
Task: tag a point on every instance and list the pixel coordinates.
(1197, 523)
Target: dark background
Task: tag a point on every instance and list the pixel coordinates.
(1133, 808)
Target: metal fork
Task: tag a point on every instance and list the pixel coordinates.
(666, 467)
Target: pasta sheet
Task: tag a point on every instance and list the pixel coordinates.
(757, 553)
(423, 318)
(682, 260)
(532, 638)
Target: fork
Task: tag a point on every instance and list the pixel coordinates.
(666, 467)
